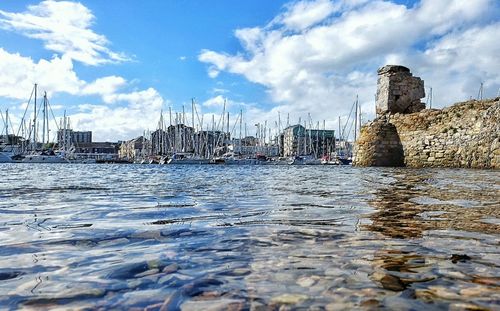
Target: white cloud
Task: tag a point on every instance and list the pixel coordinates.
(304, 14)
(217, 101)
(216, 90)
(138, 98)
(335, 48)
(106, 87)
(140, 112)
(64, 27)
(213, 72)
(18, 74)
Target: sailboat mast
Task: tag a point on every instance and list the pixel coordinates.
(228, 125)
(356, 119)
(65, 133)
(241, 122)
(194, 128)
(44, 124)
(7, 124)
(213, 134)
(34, 121)
(43, 121)
(339, 137)
(241, 127)
(305, 137)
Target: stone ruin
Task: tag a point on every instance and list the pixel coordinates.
(398, 91)
(464, 135)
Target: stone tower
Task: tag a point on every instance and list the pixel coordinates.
(398, 91)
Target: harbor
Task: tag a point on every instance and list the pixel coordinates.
(177, 141)
(221, 155)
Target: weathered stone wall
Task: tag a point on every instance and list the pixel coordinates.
(381, 145)
(398, 91)
(463, 135)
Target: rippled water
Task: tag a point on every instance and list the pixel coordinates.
(248, 237)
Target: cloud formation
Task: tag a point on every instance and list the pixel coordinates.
(65, 28)
(18, 74)
(140, 112)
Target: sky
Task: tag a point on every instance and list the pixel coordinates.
(113, 66)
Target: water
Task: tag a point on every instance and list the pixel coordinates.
(248, 237)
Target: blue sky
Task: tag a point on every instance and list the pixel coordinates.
(163, 38)
(114, 65)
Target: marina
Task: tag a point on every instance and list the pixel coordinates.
(179, 143)
(221, 155)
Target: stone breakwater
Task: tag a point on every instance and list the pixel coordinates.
(463, 135)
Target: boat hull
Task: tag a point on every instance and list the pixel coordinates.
(6, 157)
(188, 162)
(44, 159)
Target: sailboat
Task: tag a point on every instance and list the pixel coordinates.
(38, 153)
(9, 143)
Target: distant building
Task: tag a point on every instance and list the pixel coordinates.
(160, 142)
(297, 140)
(250, 146)
(249, 141)
(181, 138)
(176, 138)
(10, 139)
(208, 143)
(98, 147)
(70, 137)
(133, 149)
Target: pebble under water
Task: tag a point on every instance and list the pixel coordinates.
(248, 238)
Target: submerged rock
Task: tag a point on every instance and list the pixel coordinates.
(464, 306)
(171, 268)
(136, 270)
(337, 306)
(306, 281)
(392, 282)
(459, 258)
(213, 305)
(289, 299)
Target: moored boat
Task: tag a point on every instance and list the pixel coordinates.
(44, 157)
(186, 158)
(6, 157)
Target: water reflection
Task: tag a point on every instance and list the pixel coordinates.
(437, 240)
(414, 204)
(261, 238)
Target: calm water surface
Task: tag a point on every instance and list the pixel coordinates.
(248, 237)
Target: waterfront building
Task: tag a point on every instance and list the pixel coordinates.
(161, 144)
(176, 138)
(11, 139)
(250, 146)
(81, 146)
(133, 149)
(98, 147)
(210, 143)
(71, 137)
(297, 140)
